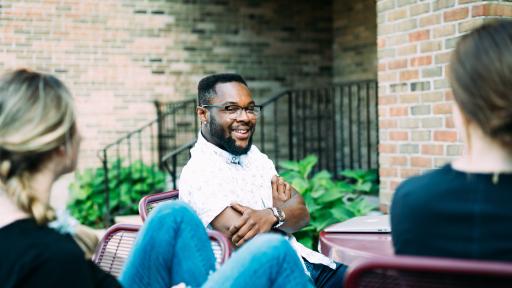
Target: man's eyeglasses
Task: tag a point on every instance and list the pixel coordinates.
(234, 111)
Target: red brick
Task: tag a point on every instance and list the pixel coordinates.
(382, 67)
(419, 35)
(445, 136)
(387, 148)
(387, 99)
(393, 185)
(398, 111)
(492, 9)
(398, 135)
(443, 108)
(409, 75)
(409, 172)
(397, 64)
(421, 61)
(381, 42)
(448, 122)
(432, 149)
(388, 172)
(456, 14)
(398, 160)
(421, 162)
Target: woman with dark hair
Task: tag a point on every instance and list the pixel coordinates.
(464, 209)
(39, 141)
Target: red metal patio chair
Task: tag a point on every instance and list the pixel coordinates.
(114, 247)
(427, 272)
(220, 245)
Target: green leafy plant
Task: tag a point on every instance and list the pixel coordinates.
(328, 200)
(127, 185)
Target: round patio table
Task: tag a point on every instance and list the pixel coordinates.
(347, 247)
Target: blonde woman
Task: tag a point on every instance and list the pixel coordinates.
(464, 209)
(39, 142)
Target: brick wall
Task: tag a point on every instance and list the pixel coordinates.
(355, 45)
(117, 56)
(415, 39)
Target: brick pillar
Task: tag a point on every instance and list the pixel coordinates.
(415, 39)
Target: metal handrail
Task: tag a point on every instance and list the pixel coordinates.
(173, 155)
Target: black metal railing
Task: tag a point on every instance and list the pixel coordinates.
(174, 123)
(339, 124)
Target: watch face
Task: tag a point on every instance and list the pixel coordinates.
(280, 214)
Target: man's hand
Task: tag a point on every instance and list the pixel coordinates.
(252, 223)
(281, 191)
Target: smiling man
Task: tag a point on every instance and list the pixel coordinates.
(233, 187)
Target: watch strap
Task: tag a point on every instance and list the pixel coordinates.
(279, 214)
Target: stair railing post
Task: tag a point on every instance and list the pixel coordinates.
(159, 133)
(290, 125)
(107, 218)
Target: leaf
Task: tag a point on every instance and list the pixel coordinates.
(354, 174)
(300, 185)
(344, 187)
(341, 213)
(329, 196)
(365, 187)
(306, 165)
(290, 165)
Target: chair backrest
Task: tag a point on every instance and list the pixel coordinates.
(220, 245)
(149, 202)
(427, 272)
(114, 247)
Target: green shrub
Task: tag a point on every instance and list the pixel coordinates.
(127, 185)
(328, 200)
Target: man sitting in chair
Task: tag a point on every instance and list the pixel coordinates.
(234, 187)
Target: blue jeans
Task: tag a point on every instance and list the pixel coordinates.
(173, 247)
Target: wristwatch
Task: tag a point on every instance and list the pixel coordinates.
(279, 214)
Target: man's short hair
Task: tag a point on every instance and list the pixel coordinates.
(206, 88)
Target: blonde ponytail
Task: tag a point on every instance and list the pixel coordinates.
(19, 190)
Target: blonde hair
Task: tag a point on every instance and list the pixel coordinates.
(36, 117)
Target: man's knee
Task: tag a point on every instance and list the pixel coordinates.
(174, 209)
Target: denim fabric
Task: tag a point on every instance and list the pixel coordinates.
(173, 247)
(268, 260)
(325, 277)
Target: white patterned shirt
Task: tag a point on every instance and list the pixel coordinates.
(213, 179)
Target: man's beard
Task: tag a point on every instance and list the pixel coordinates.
(228, 143)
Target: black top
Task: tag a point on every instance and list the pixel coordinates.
(454, 214)
(37, 256)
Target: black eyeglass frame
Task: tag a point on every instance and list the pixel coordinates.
(238, 113)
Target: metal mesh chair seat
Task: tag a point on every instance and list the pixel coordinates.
(427, 272)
